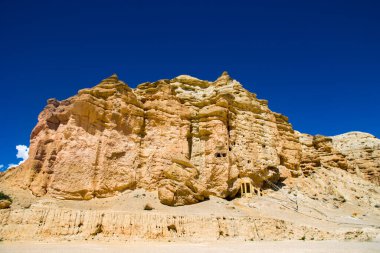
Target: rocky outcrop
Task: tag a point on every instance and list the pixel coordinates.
(187, 138)
(318, 151)
(363, 151)
(85, 146)
(180, 185)
(357, 153)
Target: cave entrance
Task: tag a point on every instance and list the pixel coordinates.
(245, 190)
(248, 190)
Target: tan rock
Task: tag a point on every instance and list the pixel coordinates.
(317, 152)
(180, 185)
(363, 152)
(187, 138)
(86, 226)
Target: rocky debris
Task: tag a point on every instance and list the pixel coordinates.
(187, 138)
(148, 207)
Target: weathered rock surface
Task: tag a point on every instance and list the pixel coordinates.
(363, 151)
(318, 151)
(187, 138)
(66, 224)
(180, 185)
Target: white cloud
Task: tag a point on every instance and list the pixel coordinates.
(22, 152)
(12, 165)
(1, 166)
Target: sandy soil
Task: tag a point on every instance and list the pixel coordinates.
(156, 247)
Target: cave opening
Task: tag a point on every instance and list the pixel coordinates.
(248, 190)
(218, 155)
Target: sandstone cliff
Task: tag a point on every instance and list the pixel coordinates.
(187, 138)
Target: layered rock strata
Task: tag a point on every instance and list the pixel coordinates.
(318, 151)
(363, 151)
(67, 224)
(185, 137)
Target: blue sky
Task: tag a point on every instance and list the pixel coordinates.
(318, 62)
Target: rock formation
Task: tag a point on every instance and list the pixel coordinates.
(318, 151)
(187, 138)
(363, 151)
(61, 224)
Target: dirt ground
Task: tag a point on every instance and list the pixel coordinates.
(157, 247)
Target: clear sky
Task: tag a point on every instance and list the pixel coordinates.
(318, 62)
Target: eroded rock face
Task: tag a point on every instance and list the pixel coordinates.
(87, 225)
(363, 151)
(184, 137)
(87, 145)
(318, 151)
(180, 185)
